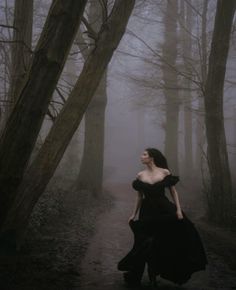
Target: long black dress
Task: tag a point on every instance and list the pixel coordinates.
(171, 247)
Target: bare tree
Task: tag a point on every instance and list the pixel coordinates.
(21, 47)
(220, 195)
(92, 162)
(27, 116)
(170, 79)
(199, 158)
(6, 34)
(44, 165)
(186, 32)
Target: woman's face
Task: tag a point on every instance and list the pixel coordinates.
(145, 158)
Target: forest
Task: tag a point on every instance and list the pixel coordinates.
(85, 87)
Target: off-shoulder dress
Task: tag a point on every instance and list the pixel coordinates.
(171, 247)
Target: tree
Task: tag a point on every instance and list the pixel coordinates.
(187, 94)
(220, 195)
(21, 46)
(199, 158)
(92, 161)
(171, 83)
(6, 34)
(93, 154)
(27, 116)
(42, 168)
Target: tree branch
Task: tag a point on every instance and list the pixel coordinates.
(8, 26)
(17, 41)
(90, 31)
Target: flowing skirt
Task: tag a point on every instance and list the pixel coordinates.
(172, 248)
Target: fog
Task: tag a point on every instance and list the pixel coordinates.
(74, 127)
(135, 113)
(135, 110)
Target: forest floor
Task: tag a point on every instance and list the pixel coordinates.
(75, 241)
(58, 236)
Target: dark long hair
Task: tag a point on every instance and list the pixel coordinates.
(158, 158)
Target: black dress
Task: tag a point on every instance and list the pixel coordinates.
(171, 247)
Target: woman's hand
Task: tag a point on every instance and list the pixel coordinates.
(179, 214)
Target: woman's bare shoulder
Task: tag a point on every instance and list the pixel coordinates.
(140, 173)
(166, 171)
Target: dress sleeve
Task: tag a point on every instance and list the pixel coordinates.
(136, 185)
(171, 180)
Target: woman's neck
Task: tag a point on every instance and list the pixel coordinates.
(151, 167)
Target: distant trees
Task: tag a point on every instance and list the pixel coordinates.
(200, 80)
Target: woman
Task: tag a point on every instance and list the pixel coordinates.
(164, 237)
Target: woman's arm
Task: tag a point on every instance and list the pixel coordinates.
(137, 205)
(175, 197)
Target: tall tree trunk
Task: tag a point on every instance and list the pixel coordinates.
(27, 116)
(220, 195)
(50, 154)
(92, 161)
(5, 62)
(187, 94)
(200, 129)
(21, 48)
(73, 154)
(5, 81)
(171, 83)
(93, 154)
(204, 42)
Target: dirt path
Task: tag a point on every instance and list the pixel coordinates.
(113, 239)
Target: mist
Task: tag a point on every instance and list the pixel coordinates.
(85, 88)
